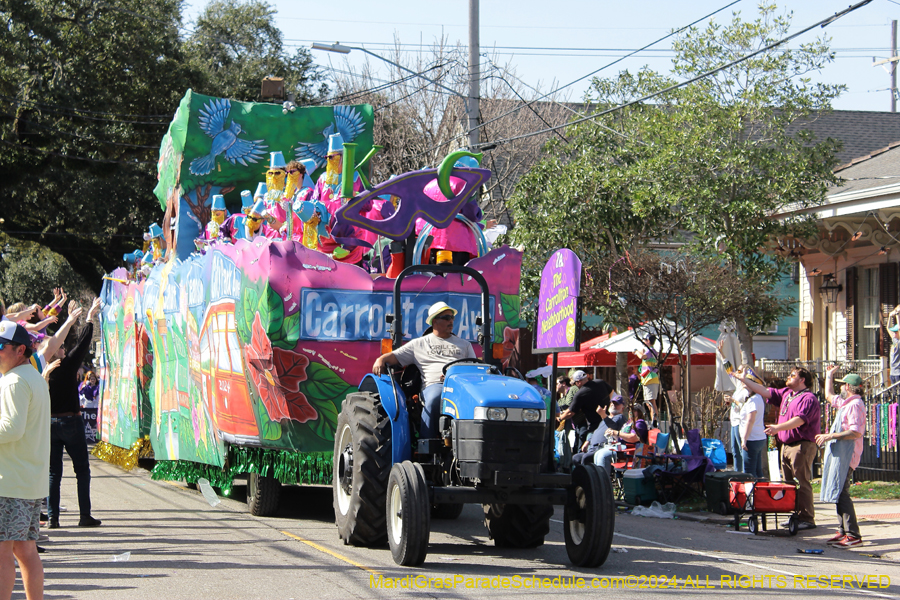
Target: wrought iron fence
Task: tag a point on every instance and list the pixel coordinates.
(880, 459)
(872, 371)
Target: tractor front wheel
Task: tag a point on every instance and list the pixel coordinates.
(408, 514)
(590, 517)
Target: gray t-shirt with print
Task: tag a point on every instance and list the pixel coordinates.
(430, 353)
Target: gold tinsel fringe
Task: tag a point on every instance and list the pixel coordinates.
(124, 457)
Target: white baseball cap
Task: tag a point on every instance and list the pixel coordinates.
(579, 375)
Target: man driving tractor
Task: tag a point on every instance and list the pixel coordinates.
(430, 353)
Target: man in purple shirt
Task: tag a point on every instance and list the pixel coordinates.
(797, 427)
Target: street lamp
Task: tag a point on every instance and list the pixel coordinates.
(830, 289)
(342, 49)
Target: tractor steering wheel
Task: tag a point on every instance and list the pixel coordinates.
(477, 361)
(515, 373)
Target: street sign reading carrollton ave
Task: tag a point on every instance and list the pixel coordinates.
(558, 321)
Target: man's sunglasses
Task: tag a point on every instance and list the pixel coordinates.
(255, 219)
(292, 171)
(444, 318)
(5, 344)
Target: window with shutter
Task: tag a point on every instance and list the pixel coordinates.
(850, 290)
(888, 290)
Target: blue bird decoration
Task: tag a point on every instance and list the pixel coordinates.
(347, 121)
(212, 120)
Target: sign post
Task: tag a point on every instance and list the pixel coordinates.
(558, 326)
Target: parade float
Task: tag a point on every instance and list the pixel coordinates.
(232, 357)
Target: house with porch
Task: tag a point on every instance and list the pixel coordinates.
(849, 282)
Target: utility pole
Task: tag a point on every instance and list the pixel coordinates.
(893, 66)
(472, 108)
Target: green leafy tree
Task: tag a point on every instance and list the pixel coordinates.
(708, 165)
(86, 89)
(235, 44)
(29, 272)
(674, 295)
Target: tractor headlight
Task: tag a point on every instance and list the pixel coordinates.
(530, 415)
(496, 414)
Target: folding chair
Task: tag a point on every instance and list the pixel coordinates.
(683, 475)
(619, 468)
(657, 442)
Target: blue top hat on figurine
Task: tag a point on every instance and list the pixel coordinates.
(246, 199)
(310, 165)
(276, 160)
(259, 208)
(218, 202)
(261, 190)
(467, 162)
(335, 143)
(133, 257)
(155, 230)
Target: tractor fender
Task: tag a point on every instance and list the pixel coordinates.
(394, 402)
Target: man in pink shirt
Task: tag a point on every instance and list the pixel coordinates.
(843, 449)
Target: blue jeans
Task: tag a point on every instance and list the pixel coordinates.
(605, 458)
(736, 451)
(431, 410)
(68, 433)
(753, 457)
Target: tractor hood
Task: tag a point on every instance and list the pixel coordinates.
(468, 391)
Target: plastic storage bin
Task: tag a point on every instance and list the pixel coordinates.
(718, 486)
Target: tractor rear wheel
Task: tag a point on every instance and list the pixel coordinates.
(447, 511)
(362, 465)
(518, 525)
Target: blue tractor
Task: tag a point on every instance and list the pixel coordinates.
(495, 448)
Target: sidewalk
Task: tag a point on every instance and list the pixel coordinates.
(879, 522)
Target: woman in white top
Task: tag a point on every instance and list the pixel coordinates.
(752, 428)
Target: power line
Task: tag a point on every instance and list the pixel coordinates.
(71, 115)
(82, 158)
(75, 135)
(387, 84)
(84, 110)
(822, 23)
(592, 73)
(65, 233)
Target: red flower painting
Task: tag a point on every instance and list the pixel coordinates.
(277, 374)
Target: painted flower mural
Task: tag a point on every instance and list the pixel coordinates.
(277, 374)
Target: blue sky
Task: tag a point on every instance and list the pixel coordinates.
(553, 44)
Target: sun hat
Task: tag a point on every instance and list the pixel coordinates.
(437, 309)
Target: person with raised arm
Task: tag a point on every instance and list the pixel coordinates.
(798, 424)
(843, 449)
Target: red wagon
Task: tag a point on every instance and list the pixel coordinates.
(763, 498)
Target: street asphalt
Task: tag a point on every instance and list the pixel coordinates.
(160, 540)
